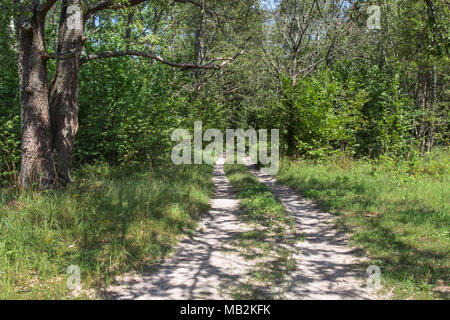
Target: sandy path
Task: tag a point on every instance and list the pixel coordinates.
(202, 265)
(209, 266)
(327, 268)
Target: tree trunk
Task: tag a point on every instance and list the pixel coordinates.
(64, 90)
(37, 160)
(291, 128)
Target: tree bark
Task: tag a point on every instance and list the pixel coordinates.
(64, 90)
(37, 160)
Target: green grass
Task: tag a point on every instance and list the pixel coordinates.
(109, 222)
(398, 211)
(258, 203)
(273, 228)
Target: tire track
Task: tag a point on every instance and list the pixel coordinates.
(327, 267)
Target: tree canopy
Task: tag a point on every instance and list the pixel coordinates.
(111, 81)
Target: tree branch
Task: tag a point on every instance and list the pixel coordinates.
(113, 5)
(182, 66)
(59, 56)
(110, 4)
(45, 7)
(195, 3)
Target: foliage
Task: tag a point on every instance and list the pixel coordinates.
(128, 115)
(9, 110)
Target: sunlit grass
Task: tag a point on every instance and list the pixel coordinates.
(397, 210)
(259, 204)
(110, 221)
(273, 228)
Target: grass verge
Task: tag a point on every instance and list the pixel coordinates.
(268, 243)
(397, 211)
(110, 221)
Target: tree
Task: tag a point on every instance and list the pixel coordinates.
(301, 36)
(50, 112)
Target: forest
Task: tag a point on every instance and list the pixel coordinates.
(91, 92)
